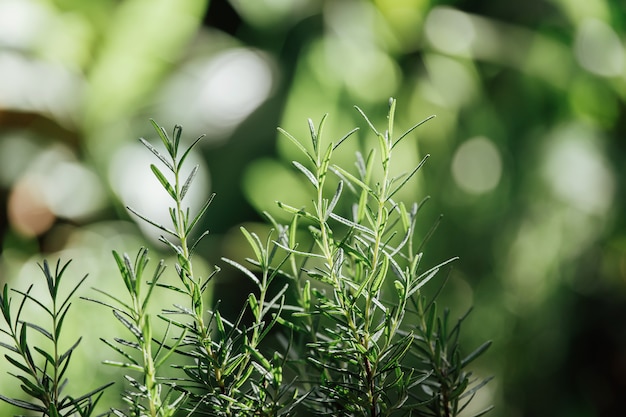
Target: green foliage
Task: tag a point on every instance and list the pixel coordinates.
(361, 279)
(41, 366)
(145, 396)
(337, 323)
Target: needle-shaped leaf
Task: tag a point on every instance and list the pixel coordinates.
(18, 365)
(391, 117)
(208, 279)
(128, 324)
(272, 303)
(164, 182)
(164, 136)
(124, 342)
(258, 356)
(395, 267)
(9, 347)
(174, 247)
(188, 151)
(293, 231)
(408, 177)
(157, 154)
(126, 275)
(45, 268)
(68, 352)
(178, 131)
(475, 354)
(22, 343)
(430, 233)
(255, 244)
(314, 140)
(306, 172)
(367, 120)
(243, 269)
(131, 272)
(335, 199)
(296, 252)
(40, 330)
(6, 304)
(198, 216)
(45, 354)
(23, 404)
(28, 296)
(299, 211)
(470, 393)
(169, 349)
(411, 129)
(123, 365)
(344, 137)
(65, 306)
(152, 283)
(111, 306)
(188, 182)
(219, 323)
(147, 220)
(352, 224)
(171, 288)
(345, 174)
(297, 143)
(254, 306)
(325, 162)
(430, 320)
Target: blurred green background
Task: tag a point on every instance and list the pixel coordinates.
(527, 166)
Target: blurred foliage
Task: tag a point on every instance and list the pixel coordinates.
(527, 151)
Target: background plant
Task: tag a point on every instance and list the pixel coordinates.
(40, 365)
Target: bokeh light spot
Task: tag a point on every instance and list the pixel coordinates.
(366, 71)
(477, 166)
(577, 171)
(454, 84)
(237, 82)
(21, 22)
(598, 48)
(49, 183)
(73, 191)
(449, 30)
(28, 211)
(213, 95)
(39, 86)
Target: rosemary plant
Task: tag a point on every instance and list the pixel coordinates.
(41, 367)
(357, 287)
(223, 370)
(145, 396)
(337, 326)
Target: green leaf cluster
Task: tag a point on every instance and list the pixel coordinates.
(40, 367)
(360, 295)
(336, 324)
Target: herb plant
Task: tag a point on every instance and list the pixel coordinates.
(337, 325)
(41, 366)
(362, 278)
